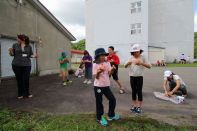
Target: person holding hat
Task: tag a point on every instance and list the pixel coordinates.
(63, 61)
(136, 64)
(115, 61)
(102, 70)
(176, 84)
(21, 64)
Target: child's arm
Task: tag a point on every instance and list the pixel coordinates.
(175, 89)
(61, 61)
(66, 60)
(112, 70)
(146, 65)
(165, 87)
(99, 71)
(127, 64)
(143, 63)
(87, 61)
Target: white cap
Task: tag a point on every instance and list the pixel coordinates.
(135, 48)
(167, 73)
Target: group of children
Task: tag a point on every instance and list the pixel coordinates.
(106, 65)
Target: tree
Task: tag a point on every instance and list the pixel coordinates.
(195, 44)
(80, 45)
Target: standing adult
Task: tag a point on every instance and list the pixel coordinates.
(21, 64)
(115, 61)
(87, 60)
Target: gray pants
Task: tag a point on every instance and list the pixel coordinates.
(181, 91)
(88, 73)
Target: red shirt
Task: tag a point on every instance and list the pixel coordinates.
(113, 57)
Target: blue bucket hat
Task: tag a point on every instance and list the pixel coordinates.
(99, 52)
(64, 54)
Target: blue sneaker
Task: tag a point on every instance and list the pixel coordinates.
(133, 109)
(103, 121)
(139, 110)
(116, 117)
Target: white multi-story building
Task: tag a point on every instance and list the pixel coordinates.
(164, 28)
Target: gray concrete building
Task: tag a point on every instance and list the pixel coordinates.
(48, 36)
(163, 28)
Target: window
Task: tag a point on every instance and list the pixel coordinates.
(136, 7)
(136, 28)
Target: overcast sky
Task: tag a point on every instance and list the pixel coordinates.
(71, 13)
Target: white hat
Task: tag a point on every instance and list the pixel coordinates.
(136, 48)
(167, 73)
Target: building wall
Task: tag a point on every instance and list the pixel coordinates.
(27, 20)
(155, 54)
(76, 58)
(171, 25)
(165, 23)
(109, 23)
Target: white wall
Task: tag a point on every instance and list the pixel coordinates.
(155, 54)
(108, 22)
(165, 23)
(171, 25)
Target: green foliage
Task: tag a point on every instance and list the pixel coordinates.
(195, 44)
(24, 121)
(80, 45)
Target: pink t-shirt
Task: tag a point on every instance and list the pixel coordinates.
(103, 80)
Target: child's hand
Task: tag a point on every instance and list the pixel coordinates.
(113, 68)
(138, 62)
(99, 71)
(170, 93)
(166, 93)
(66, 60)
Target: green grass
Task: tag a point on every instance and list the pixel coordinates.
(24, 121)
(182, 65)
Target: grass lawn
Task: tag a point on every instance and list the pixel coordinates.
(24, 121)
(182, 65)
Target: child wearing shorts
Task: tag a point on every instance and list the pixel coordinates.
(101, 70)
(136, 64)
(63, 61)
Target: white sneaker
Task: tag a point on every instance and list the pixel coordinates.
(85, 81)
(89, 82)
(64, 84)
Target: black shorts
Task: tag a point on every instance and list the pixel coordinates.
(183, 60)
(115, 73)
(181, 91)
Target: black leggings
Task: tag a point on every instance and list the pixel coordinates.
(99, 92)
(136, 86)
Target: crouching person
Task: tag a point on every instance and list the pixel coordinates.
(176, 84)
(101, 70)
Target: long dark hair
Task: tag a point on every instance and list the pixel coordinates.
(86, 53)
(26, 40)
(141, 51)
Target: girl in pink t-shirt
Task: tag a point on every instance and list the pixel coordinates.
(101, 71)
